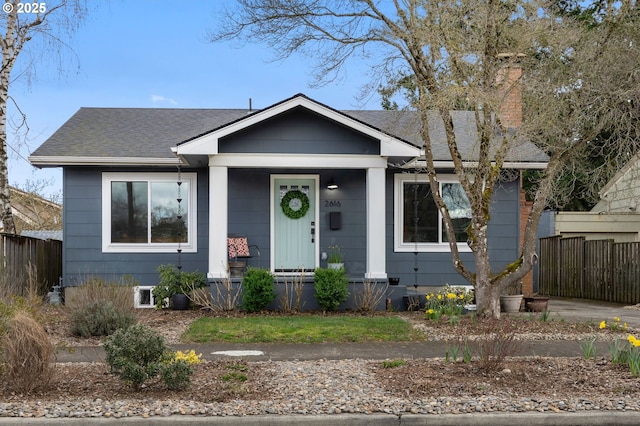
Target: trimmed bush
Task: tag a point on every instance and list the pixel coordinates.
(100, 318)
(138, 354)
(331, 286)
(258, 289)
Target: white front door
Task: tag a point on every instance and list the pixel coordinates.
(294, 238)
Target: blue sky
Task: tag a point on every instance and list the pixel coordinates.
(154, 53)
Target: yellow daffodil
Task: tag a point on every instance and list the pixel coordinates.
(190, 357)
(603, 324)
(616, 319)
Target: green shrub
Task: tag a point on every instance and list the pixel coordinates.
(136, 354)
(331, 287)
(100, 318)
(177, 374)
(258, 289)
(139, 353)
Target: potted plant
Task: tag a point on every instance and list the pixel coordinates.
(175, 286)
(336, 258)
(511, 301)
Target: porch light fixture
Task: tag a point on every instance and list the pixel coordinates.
(332, 185)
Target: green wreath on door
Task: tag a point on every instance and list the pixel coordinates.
(295, 204)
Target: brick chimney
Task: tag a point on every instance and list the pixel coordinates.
(509, 82)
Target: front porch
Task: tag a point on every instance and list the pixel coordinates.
(297, 293)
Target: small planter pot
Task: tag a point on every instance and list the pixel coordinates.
(237, 268)
(394, 280)
(180, 302)
(511, 303)
(536, 303)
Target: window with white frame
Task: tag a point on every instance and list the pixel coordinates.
(418, 223)
(140, 212)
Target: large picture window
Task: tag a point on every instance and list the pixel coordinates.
(418, 223)
(140, 213)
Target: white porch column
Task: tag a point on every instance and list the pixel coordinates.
(376, 241)
(218, 212)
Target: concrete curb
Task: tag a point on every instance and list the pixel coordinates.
(497, 419)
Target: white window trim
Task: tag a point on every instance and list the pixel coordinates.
(398, 213)
(191, 246)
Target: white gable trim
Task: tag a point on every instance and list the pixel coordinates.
(208, 144)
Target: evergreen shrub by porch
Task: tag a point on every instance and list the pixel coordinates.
(258, 289)
(138, 354)
(331, 286)
(100, 318)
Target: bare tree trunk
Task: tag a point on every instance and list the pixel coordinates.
(8, 59)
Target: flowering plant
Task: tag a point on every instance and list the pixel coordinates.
(190, 357)
(448, 301)
(615, 325)
(335, 254)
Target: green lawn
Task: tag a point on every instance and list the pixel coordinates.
(300, 329)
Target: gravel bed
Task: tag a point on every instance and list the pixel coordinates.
(319, 387)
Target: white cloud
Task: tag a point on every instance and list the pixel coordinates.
(158, 98)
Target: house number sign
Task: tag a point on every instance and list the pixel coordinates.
(295, 204)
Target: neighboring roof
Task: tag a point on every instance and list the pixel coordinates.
(31, 211)
(144, 136)
(622, 193)
(43, 235)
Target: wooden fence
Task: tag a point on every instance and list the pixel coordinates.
(26, 259)
(590, 269)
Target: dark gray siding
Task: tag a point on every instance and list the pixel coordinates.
(436, 269)
(249, 191)
(299, 131)
(82, 248)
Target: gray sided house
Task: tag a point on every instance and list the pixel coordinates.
(121, 168)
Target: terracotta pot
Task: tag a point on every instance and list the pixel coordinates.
(537, 306)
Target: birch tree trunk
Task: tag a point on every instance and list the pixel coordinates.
(20, 29)
(9, 54)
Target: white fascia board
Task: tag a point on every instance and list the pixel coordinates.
(295, 161)
(56, 161)
(471, 164)
(208, 144)
(391, 147)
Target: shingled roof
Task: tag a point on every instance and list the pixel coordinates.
(107, 135)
